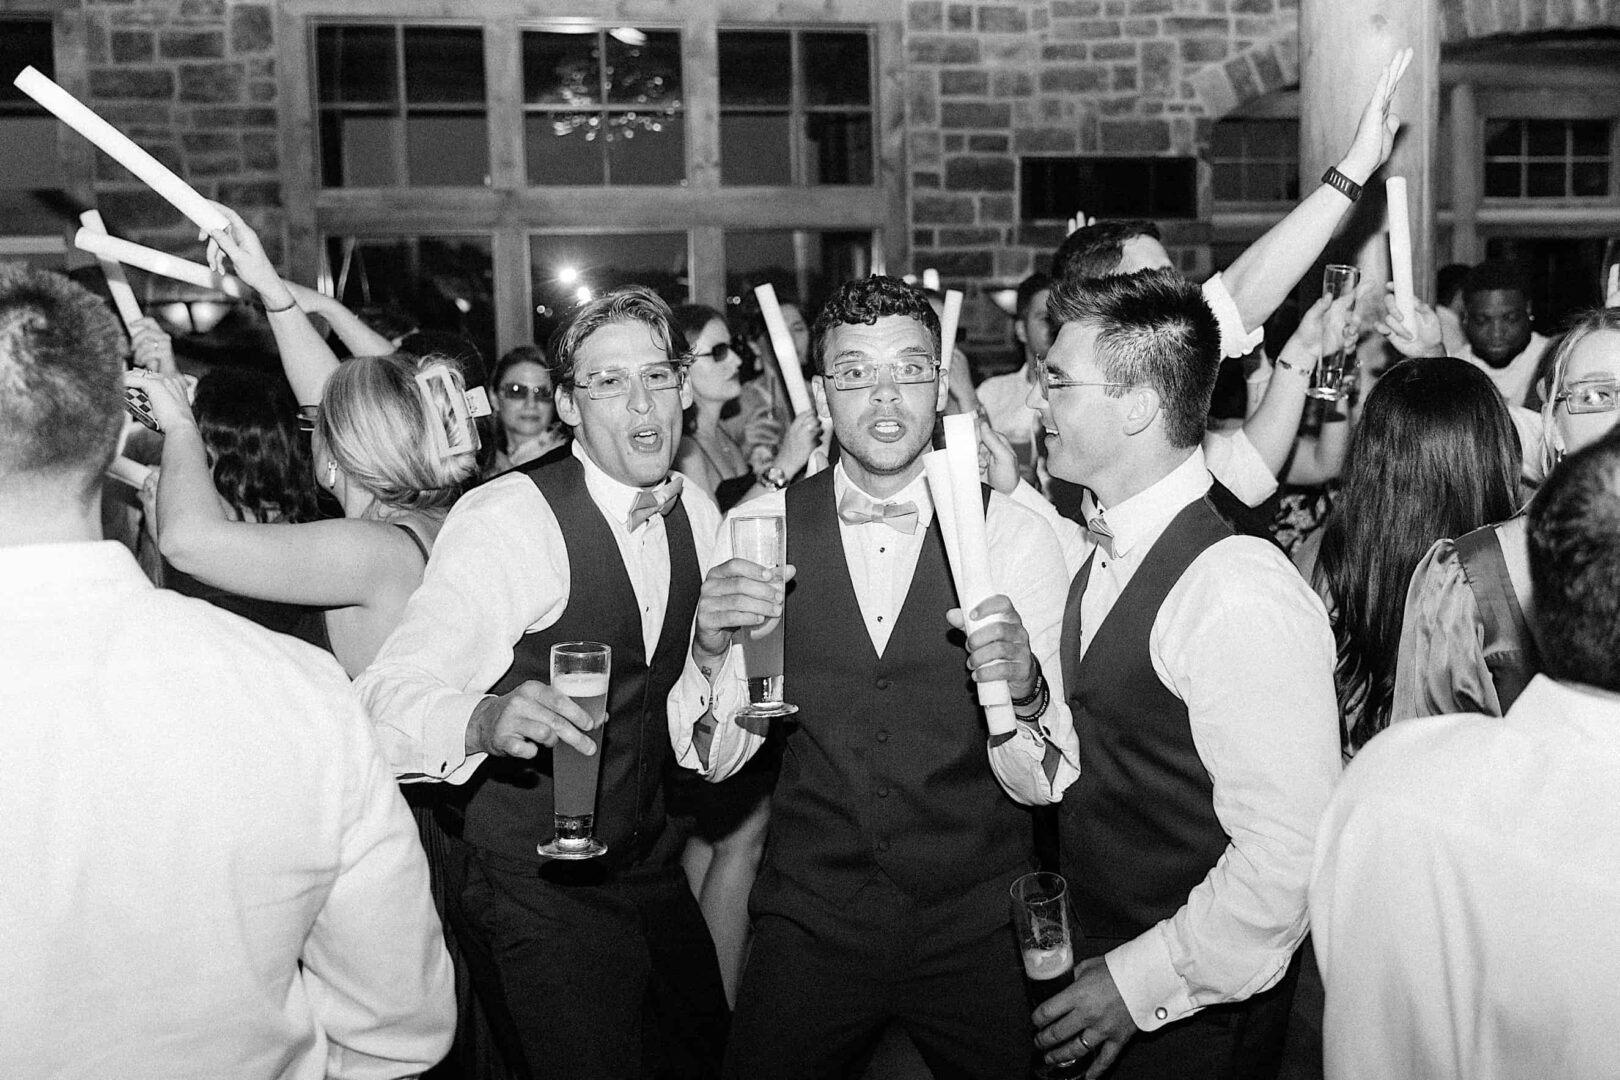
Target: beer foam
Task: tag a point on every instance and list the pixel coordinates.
(581, 684)
(1041, 964)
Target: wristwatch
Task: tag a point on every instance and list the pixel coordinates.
(773, 478)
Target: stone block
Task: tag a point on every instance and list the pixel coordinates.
(213, 166)
(987, 144)
(964, 83)
(974, 114)
(997, 209)
(1011, 49)
(191, 45)
(969, 237)
(1124, 77)
(262, 91)
(1076, 9)
(259, 193)
(1041, 236)
(1114, 50)
(925, 181)
(131, 82)
(1151, 7)
(1048, 140)
(959, 16)
(1011, 84)
(1073, 50)
(942, 50)
(210, 83)
(209, 142)
(1158, 66)
(922, 97)
(1204, 50)
(1255, 27)
(263, 68)
(234, 118)
(1135, 137)
(1074, 80)
(1141, 28)
(942, 210)
(252, 29)
(921, 241)
(963, 264)
(202, 10)
(1003, 20)
(261, 150)
(136, 114)
(925, 15)
(131, 46)
(1184, 26)
(979, 174)
(1270, 72)
(1245, 86)
(1092, 29)
(1252, 7)
(97, 48)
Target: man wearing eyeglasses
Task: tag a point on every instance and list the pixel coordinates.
(897, 824)
(600, 968)
(1199, 669)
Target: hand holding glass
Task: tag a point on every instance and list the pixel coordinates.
(1328, 380)
(582, 670)
(762, 540)
(1045, 928)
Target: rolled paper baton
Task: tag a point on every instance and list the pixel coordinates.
(787, 356)
(130, 472)
(947, 329)
(1400, 251)
(123, 296)
(962, 512)
(118, 146)
(930, 279)
(159, 262)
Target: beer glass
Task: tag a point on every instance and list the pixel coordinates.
(762, 540)
(1327, 381)
(580, 669)
(1045, 928)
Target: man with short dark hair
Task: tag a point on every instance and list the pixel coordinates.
(898, 823)
(210, 871)
(1465, 895)
(600, 969)
(1502, 341)
(1199, 670)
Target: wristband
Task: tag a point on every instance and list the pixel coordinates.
(278, 310)
(1297, 369)
(1341, 183)
(1035, 691)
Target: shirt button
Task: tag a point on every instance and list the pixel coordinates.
(883, 793)
(1161, 1013)
(883, 736)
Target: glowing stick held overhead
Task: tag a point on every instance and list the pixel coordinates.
(1400, 251)
(787, 356)
(947, 330)
(123, 296)
(130, 472)
(930, 279)
(158, 262)
(118, 146)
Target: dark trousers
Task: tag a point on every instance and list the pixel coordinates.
(610, 981)
(1238, 1041)
(822, 985)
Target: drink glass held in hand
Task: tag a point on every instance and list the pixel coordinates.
(1328, 382)
(1045, 926)
(762, 540)
(580, 669)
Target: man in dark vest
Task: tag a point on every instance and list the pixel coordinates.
(588, 969)
(897, 823)
(1199, 668)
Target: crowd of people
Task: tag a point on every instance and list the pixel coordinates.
(1390, 722)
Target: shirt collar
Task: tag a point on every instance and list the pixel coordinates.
(38, 570)
(613, 496)
(1140, 519)
(915, 492)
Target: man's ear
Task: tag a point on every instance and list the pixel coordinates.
(942, 391)
(1020, 335)
(818, 395)
(686, 391)
(1144, 408)
(567, 408)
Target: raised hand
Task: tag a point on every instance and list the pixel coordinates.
(239, 245)
(998, 651)
(803, 436)
(151, 347)
(737, 594)
(167, 396)
(518, 723)
(1375, 134)
(1424, 339)
(998, 464)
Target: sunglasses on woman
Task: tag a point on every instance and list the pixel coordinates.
(516, 391)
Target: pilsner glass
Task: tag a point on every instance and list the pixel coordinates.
(763, 540)
(1046, 931)
(1327, 381)
(580, 669)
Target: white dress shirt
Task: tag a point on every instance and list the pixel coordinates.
(500, 570)
(1027, 568)
(1466, 896)
(1245, 643)
(208, 870)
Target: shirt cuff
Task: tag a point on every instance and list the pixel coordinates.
(1148, 982)
(1236, 339)
(444, 743)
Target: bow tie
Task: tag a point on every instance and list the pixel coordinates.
(856, 509)
(658, 500)
(1101, 533)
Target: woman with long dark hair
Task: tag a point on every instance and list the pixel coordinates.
(1435, 455)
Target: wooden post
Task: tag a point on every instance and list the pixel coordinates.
(1344, 45)
(1466, 166)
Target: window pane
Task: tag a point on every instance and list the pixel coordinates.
(1545, 180)
(756, 148)
(837, 68)
(1226, 139)
(358, 149)
(562, 69)
(756, 68)
(1274, 139)
(1590, 138)
(1270, 182)
(30, 161)
(24, 42)
(1502, 178)
(564, 148)
(830, 258)
(357, 64)
(645, 150)
(562, 265)
(445, 282)
(647, 75)
(1503, 138)
(1546, 138)
(840, 148)
(448, 149)
(444, 65)
(1228, 182)
(1591, 178)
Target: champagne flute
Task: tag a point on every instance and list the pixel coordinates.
(1327, 381)
(582, 670)
(762, 540)
(1046, 930)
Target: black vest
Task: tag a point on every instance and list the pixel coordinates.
(884, 768)
(509, 810)
(1138, 828)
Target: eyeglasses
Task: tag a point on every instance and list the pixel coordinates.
(516, 391)
(615, 382)
(860, 376)
(1051, 381)
(1598, 396)
(719, 354)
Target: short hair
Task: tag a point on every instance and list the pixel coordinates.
(692, 319)
(1097, 250)
(1574, 543)
(863, 302)
(61, 364)
(630, 303)
(248, 420)
(1154, 329)
(1028, 290)
(522, 354)
(374, 421)
(1449, 281)
(1495, 275)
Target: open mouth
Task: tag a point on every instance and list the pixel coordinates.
(647, 438)
(887, 429)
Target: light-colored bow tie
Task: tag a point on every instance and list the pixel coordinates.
(856, 509)
(1101, 533)
(658, 500)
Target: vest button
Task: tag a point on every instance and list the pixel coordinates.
(883, 845)
(1161, 1013)
(883, 793)
(883, 684)
(883, 736)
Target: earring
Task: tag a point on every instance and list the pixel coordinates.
(331, 474)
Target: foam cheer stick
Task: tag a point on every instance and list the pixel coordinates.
(1400, 251)
(130, 472)
(787, 356)
(118, 146)
(113, 270)
(157, 262)
(953, 481)
(948, 323)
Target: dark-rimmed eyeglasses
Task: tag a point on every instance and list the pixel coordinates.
(516, 391)
(615, 382)
(719, 354)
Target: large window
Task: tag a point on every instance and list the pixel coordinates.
(816, 261)
(568, 268)
(1548, 159)
(1052, 189)
(32, 219)
(442, 282)
(796, 107)
(402, 105)
(1255, 161)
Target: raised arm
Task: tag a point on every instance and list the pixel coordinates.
(1262, 277)
(357, 337)
(1275, 424)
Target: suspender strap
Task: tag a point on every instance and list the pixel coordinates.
(1510, 651)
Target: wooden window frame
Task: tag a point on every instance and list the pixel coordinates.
(74, 152)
